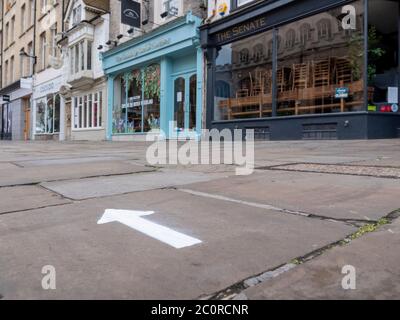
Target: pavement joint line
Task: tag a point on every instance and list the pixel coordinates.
(352, 222)
(282, 168)
(36, 208)
(79, 178)
(237, 289)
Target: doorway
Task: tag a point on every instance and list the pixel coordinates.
(27, 119)
(185, 105)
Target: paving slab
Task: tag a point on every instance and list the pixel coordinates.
(375, 258)
(113, 261)
(32, 175)
(80, 189)
(20, 198)
(336, 196)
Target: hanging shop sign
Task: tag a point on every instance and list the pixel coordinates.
(131, 13)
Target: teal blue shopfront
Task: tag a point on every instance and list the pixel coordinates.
(155, 82)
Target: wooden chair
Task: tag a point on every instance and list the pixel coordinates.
(300, 76)
(257, 88)
(268, 81)
(321, 73)
(282, 82)
(343, 72)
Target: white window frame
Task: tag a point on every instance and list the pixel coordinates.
(79, 57)
(83, 106)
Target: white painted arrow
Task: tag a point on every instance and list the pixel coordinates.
(134, 220)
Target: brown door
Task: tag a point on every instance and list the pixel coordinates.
(27, 122)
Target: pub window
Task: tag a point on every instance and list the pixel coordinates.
(318, 78)
(311, 78)
(305, 33)
(383, 56)
(258, 52)
(290, 39)
(324, 29)
(243, 90)
(244, 56)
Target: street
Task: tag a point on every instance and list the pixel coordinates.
(285, 232)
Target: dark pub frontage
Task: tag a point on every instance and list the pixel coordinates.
(305, 69)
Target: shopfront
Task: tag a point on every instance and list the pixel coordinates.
(48, 106)
(306, 69)
(155, 83)
(15, 115)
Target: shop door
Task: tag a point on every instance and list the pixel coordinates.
(27, 121)
(185, 104)
(6, 118)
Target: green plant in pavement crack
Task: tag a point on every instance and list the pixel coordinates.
(368, 228)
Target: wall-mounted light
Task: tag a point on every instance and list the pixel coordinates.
(22, 53)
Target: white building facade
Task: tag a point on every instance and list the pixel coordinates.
(84, 88)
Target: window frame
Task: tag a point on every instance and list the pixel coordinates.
(81, 105)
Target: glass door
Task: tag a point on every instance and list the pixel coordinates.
(185, 103)
(180, 103)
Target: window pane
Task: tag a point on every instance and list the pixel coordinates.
(50, 114)
(119, 106)
(57, 114)
(76, 113)
(383, 53)
(80, 113)
(243, 87)
(89, 55)
(40, 116)
(90, 111)
(134, 105)
(82, 55)
(76, 58)
(322, 71)
(151, 103)
(100, 101)
(193, 102)
(179, 103)
(95, 110)
(85, 112)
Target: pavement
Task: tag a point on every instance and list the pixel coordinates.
(279, 233)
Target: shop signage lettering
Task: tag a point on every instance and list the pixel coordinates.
(242, 29)
(134, 53)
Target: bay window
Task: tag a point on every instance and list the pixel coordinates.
(87, 111)
(81, 56)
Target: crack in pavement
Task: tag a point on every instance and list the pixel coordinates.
(235, 291)
(351, 222)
